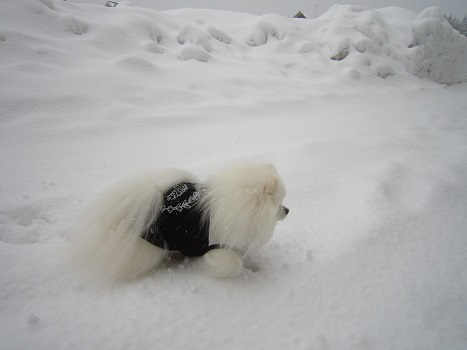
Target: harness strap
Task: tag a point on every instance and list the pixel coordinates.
(221, 246)
(215, 246)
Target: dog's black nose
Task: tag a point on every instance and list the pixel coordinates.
(286, 210)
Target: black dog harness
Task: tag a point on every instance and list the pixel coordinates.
(179, 226)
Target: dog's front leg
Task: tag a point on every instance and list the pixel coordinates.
(221, 263)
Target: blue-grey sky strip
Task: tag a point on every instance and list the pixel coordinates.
(309, 7)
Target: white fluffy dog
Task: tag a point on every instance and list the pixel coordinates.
(139, 221)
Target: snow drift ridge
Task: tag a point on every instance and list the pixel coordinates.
(350, 40)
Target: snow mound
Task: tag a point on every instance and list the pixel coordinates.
(443, 50)
(394, 41)
(352, 41)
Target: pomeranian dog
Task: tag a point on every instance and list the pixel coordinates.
(137, 223)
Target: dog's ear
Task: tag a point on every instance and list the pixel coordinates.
(271, 185)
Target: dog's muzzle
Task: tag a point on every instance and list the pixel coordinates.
(282, 213)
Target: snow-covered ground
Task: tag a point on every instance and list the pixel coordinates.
(364, 113)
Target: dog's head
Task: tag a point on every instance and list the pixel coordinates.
(245, 203)
(273, 190)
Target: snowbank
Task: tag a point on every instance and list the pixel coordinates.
(372, 254)
(351, 40)
(444, 50)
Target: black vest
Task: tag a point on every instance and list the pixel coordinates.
(179, 226)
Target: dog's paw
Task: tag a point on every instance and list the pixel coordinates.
(221, 263)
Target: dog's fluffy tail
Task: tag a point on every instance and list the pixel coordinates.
(108, 240)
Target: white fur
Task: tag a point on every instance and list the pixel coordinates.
(242, 205)
(221, 263)
(244, 202)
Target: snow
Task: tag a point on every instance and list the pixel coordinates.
(363, 112)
